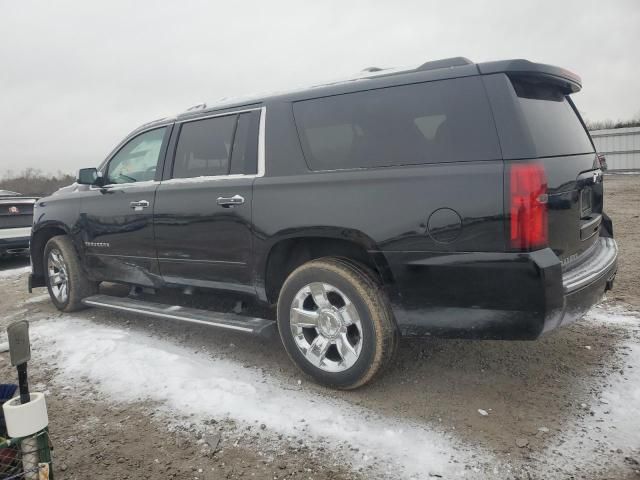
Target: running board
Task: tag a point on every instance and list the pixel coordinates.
(229, 321)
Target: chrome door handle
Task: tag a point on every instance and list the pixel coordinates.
(139, 205)
(230, 201)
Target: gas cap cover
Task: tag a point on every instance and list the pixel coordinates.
(444, 225)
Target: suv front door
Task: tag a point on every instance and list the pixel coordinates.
(202, 215)
(117, 219)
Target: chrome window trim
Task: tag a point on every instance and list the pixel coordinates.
(173, 181)
(261, 153)
(116, 186)
(261, 142)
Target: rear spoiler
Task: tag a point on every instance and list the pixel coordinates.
(567, 81)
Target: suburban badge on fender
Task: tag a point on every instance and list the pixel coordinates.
(97, 244)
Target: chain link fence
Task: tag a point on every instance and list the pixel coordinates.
(26, 458)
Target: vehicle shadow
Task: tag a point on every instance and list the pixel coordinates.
(12, 263)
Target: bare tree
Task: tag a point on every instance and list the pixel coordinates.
(607, 124)
(34, 182)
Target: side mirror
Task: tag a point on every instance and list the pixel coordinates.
(89, 176)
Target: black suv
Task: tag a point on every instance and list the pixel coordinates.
(454, 199)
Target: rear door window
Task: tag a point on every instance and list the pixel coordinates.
(244, 156)
(204, 147)
(441, 121)
(554, 125)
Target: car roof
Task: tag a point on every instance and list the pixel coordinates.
(374, 77)
(368, 78)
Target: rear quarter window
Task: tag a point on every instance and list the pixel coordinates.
(553, 124)
(433, 122)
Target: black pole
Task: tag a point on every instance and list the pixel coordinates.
(23, 383)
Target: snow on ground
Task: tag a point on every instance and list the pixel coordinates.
(130, 366)
(14, 272)
(37, 299)
(620, 399)
(615, 315)
(610, 419)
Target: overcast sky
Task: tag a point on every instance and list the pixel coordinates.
(77, 76)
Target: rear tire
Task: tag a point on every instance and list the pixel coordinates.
(336, 323)
(66, 280)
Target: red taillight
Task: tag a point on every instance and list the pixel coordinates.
(528, 206)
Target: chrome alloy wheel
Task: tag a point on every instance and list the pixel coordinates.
(58, 277)
(326, 327)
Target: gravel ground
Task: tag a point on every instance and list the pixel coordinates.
(565, 406)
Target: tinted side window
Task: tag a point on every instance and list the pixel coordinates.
(244, 156)
(553, 123)
(204, 147)
(137, 160)
(442, 121)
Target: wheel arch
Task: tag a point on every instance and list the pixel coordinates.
(291, 249)
(39, 239)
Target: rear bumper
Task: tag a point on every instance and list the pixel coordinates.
(14, 241)
(598, 262)
(585, 283)
(514, 296)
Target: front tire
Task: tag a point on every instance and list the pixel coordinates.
(336, 323)
(66, 280)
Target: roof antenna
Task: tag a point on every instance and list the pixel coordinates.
(372, 69)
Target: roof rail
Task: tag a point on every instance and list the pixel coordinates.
(198, 106)
(445, 63)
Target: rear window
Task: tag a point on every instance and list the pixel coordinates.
(553, 123)
(442, 121)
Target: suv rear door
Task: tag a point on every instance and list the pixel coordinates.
(202, 216)
(538, 122)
